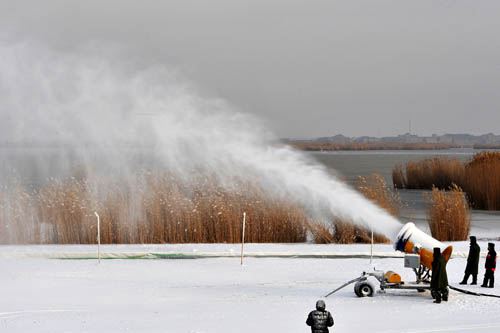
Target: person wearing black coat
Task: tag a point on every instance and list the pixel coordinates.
(439, 278)
(320, 319)
(472, 261)
(490, 265)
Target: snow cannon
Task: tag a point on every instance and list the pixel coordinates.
(419, 254)
(412, 240)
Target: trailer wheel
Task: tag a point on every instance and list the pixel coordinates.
(363, 289)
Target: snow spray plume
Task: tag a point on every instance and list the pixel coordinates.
(91, 111)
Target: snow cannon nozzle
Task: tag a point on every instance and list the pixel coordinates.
(412, 240)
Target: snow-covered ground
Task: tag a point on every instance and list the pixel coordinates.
(218, 295)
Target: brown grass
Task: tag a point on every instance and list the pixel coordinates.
(449, 216)
(482, 181)
(479, 177)
(438, 172)
(341, 231)
(375, 189)
(398, 176)
(159, 208)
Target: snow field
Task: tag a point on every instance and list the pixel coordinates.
(218, 295)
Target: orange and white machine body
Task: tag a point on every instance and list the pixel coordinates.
(413, 240)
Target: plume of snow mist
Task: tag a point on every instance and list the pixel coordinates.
(93, 112)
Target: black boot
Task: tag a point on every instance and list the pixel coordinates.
(438, 297)
(445, 295)
(474, 280)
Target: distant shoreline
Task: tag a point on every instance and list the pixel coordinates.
(305, 145)
(407, 141)
(328, 146)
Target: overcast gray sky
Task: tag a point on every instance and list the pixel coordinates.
(308, 68)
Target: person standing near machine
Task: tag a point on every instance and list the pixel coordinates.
(472, 262)
(439, 278)
(490, 265)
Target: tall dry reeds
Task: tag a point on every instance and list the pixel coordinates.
(156, 209)
(375, 188)
(438, 172)
(343, 231)
(161, 208)
(347, 233)
(398, 176)
(479, 177)
(449, 215)
(482, 180)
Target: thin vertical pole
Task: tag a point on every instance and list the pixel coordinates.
(98, 238)
(371, 248)
(243, 235)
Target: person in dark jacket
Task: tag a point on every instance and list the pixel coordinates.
(320, 319)
(439, 279)
(472, 261)
(490, 265)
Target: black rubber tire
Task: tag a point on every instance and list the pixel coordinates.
(364, 289)
(356, 290)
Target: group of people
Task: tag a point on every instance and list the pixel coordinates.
(473, 264)
(439, 279)
(320, 319)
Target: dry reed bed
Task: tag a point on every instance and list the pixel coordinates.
(374, 188)
(449, 215)
(479, 178)
(155, 209)
(159, 208)
(482, 181)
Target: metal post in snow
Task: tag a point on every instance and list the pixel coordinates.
(371, 248)
(243, 235)
(98, 237)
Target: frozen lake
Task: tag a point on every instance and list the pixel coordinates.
(351, 164)
(348, 165)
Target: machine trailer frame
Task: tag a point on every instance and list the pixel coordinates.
(365, 288)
